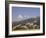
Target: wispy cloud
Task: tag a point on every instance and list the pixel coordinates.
(20, 16)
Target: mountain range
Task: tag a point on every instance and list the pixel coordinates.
(35, 21)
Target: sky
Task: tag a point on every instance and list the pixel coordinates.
(21, 13)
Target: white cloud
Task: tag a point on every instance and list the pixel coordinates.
(26, 16)
(20, 16)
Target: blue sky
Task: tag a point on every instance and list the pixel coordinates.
(19, 13)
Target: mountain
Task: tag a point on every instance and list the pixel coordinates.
(23, 23)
